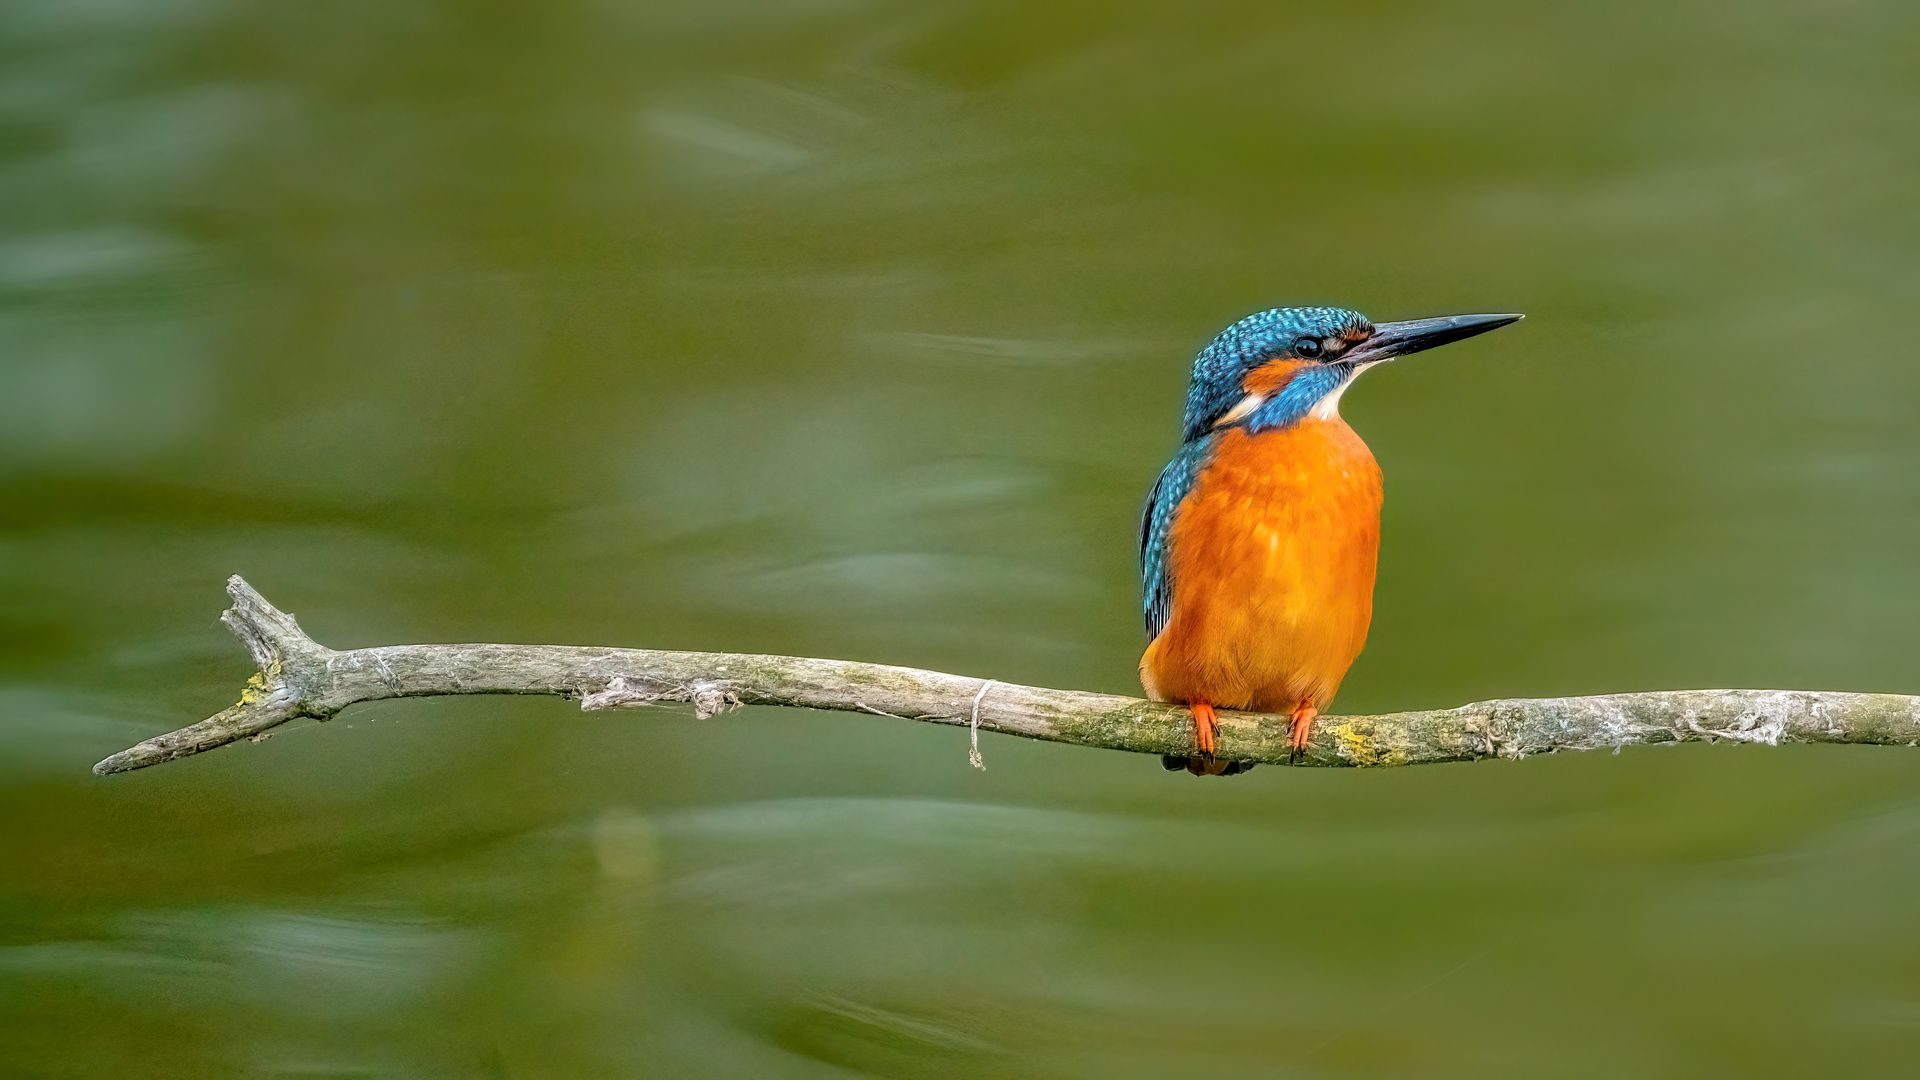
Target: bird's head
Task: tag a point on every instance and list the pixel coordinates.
(1276, 367)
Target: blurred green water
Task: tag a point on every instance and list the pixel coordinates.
(858, 329)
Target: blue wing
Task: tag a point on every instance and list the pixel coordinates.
(1156, 524)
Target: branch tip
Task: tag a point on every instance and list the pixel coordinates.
(273, 636)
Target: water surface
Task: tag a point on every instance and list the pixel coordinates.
(859, 329)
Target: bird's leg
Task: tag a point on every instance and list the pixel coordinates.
(1299, 730)
(1204, 726)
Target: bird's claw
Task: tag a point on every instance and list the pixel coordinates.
(1300, 731)
(1205, 726)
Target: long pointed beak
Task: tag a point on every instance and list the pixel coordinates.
(1401, 338)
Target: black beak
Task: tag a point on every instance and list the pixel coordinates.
(1400, 338)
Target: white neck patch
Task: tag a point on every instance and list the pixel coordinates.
(1243, 409)
(1329, 407)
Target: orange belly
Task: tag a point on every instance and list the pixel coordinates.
(1272, 558)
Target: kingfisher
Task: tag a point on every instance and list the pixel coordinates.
(1259, 542)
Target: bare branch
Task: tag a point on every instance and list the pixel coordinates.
(299, 677)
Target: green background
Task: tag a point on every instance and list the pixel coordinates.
(859, 328)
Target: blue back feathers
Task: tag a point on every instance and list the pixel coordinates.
(1157, 521)
(1218, 374)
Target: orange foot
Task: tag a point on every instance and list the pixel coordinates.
(1204, 726)
(1299, 730)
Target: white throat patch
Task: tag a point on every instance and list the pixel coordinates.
(1329, 407)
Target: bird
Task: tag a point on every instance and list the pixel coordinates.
(1259, 542)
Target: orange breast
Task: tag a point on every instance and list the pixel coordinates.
(1272, 559)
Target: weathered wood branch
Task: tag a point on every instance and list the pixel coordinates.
(300, 678)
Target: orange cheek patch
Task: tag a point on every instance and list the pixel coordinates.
(1269, 378)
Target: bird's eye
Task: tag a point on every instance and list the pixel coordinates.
(1307, 347)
